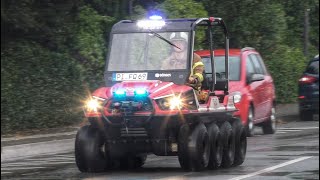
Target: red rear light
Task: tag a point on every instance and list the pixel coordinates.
(301, 97)
(307, 80)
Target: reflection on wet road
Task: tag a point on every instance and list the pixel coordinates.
(291, 153)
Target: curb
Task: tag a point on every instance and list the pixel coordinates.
(287, 110)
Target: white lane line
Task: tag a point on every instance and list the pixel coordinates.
(301, 128)
(271, 168)
(51, 159)
(290, 130)
(67, 156)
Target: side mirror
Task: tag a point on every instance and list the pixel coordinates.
(254, 77)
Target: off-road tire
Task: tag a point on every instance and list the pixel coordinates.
(183, 153)
(228, 145)
(88, 150)
(199, 148)
(240, 137)
(216, 147)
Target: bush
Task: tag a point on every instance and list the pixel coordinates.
(39, 88)
(286, 65)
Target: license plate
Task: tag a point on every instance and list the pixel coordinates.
(129, 76)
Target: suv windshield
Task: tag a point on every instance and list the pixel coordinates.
(234, 67)
(146, 51)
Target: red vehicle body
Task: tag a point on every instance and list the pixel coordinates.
(256, 89)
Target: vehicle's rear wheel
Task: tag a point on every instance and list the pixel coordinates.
(240, 142)
(199, 148)
(306, 115)
(250, 125)
(89, 150)
(183, 153)
(216, 147)
(228, 145)
(269, 127)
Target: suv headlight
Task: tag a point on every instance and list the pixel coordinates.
(236, 97)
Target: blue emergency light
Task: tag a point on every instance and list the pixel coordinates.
(141, 92)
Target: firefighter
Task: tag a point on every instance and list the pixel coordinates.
(196, 76)
(178, 57)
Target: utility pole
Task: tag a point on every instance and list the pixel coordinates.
(306, 32)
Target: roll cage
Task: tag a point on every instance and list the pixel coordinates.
(180, 25)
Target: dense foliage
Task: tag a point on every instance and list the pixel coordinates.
(53, 51)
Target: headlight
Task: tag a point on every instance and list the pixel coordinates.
(93, 105)
(175, 103)
(170, 103)
(236, 97)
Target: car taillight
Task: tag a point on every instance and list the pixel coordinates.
(307, 80)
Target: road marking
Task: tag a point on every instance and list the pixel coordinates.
(281, 132)
(271, 168)
(51, 159)
(285, 130)
(301, 128)
(290, 130)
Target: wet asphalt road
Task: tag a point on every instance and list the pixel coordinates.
(291, 153)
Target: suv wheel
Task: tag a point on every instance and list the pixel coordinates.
(269, 127)
(306, 115)
(250, 125)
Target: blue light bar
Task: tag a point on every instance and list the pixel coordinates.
(141, 92)
(151, 24)
(120, 92)
(155, 17)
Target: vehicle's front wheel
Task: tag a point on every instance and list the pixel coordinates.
(269, 127)
(183, 152)
(199, 148)
(89, 150)
(250, 125)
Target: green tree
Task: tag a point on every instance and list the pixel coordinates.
(187, 9)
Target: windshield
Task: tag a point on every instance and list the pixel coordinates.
(234, 67)
(148, 51)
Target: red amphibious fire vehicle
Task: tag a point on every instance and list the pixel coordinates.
(146, 109)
